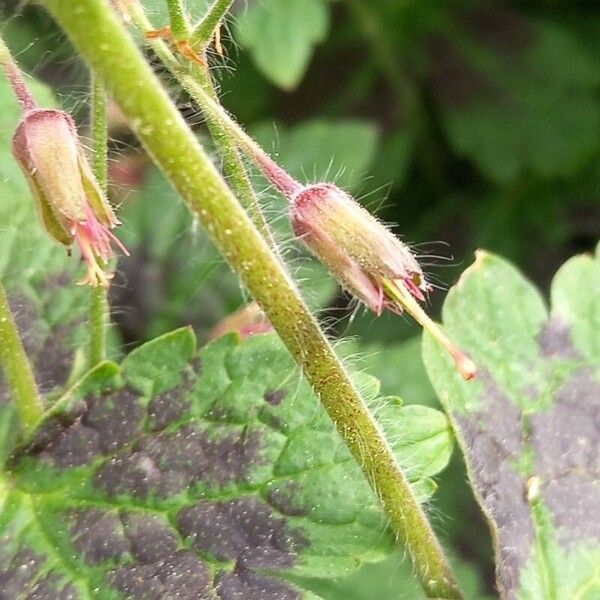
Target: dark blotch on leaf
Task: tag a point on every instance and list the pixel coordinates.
(50, 353)
(150, 537)
(51, 587)
(18, 577)
(131, 473)
(73, 447)
(185, 577)
(98, 535)
(138, 582)
(555, 341)
(168, 407)
(54, 361)
(285, 497)
(566, 442)
(495, 441)
(118, 418)
(275, 397)
(246, 585)
(180, 576)
(50, 430)
(244, 530)
(166, 463)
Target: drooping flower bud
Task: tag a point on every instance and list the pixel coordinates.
(366, 258)
(359, 250)
(70, 202)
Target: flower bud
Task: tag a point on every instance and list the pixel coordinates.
(366, 258)
(359, 250)
(69, 200)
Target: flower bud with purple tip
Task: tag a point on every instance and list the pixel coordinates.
(366, 258)
(359, 250)
(69, 200)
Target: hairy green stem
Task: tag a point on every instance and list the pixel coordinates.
(178, 22)
(101, 39)
(99, 133)
(98, 295)
(204, 31)
(197, 82)
(17, 369)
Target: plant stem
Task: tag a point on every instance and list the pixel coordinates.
(178, 22)
(99, 133)
(204, 31)
(197, 82)
(232, 161)
(101, 39)
(98, 295)
(17, 369)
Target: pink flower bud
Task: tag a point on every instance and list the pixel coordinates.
(69, 200)
(366, 258)
(359, 250)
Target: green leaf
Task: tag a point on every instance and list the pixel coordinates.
(281, 35)
(156, 366)
(37, 274)
(528, 423)
(503, 81)
(223, 480)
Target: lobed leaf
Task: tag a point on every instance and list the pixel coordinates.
(529, 423)
(219, 476)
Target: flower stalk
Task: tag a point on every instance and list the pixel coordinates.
(13, 74)
(17, 370)
(99, 36)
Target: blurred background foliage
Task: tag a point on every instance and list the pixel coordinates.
(464, 123)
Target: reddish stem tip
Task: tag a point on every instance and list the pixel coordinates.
(464, 365)
(19, 87)
(283, 181)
